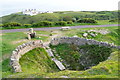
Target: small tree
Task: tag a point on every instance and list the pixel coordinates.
(67, 18)
(61, 23)
(69, 22)
(12, 24)
(42, 23)
(74, 20)
(113, 20)
(1, 25)
(27, 25)
(86, 20)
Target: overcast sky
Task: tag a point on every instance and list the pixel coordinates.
(11, 6)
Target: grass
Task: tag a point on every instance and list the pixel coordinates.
(111, 37)
(9, 43)
(106, 69)
(11, 40)
(38, 58)
(60, 15)
(8, 39)
(74, 56)
(103, 22)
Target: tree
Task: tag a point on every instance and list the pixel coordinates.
(1, 25)
(27, 25)
(74, 19)
(86, 20)
(12, 24)
(42, 23)
(61, 23)
(67, 18)
(69, 22)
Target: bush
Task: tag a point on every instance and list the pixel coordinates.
(86, 20)
(67, 18)
(1, 25)
(27, 25)
(74, 20)
(114, 20)
(42, 23)
(69, 22)
(61, 23)
(12, 24)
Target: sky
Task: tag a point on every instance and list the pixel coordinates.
(12, 6)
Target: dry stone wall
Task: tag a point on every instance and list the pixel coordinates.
(21, 50)
(80, 41)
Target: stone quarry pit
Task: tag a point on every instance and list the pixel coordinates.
(71, 53)
(80, 54)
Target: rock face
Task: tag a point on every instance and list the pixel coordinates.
(80, 41)
(21, 50)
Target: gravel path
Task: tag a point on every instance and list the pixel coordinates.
(52, 28)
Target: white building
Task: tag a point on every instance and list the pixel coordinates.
(49, 12)
(34, 12)
(30, 12)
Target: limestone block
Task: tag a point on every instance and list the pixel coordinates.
(20, 46)
(31, 30)
(16, 50)
(29, 37)
(85, 34)
(17, 68)
(23, 45)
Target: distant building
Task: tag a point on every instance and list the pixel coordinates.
(30, 12)
(49, 12)
(34, 12)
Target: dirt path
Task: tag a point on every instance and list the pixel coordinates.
(54, 35)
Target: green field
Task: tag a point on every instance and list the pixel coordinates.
(27, 21)
(106, 69)
(60, 16)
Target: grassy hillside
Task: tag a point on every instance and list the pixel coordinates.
(106, 69)
(59, 16)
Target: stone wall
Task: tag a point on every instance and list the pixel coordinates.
(21, 50)
(80, 41)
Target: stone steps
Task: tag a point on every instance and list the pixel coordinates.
(58, 63)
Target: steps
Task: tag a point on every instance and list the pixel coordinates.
(58, 63)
